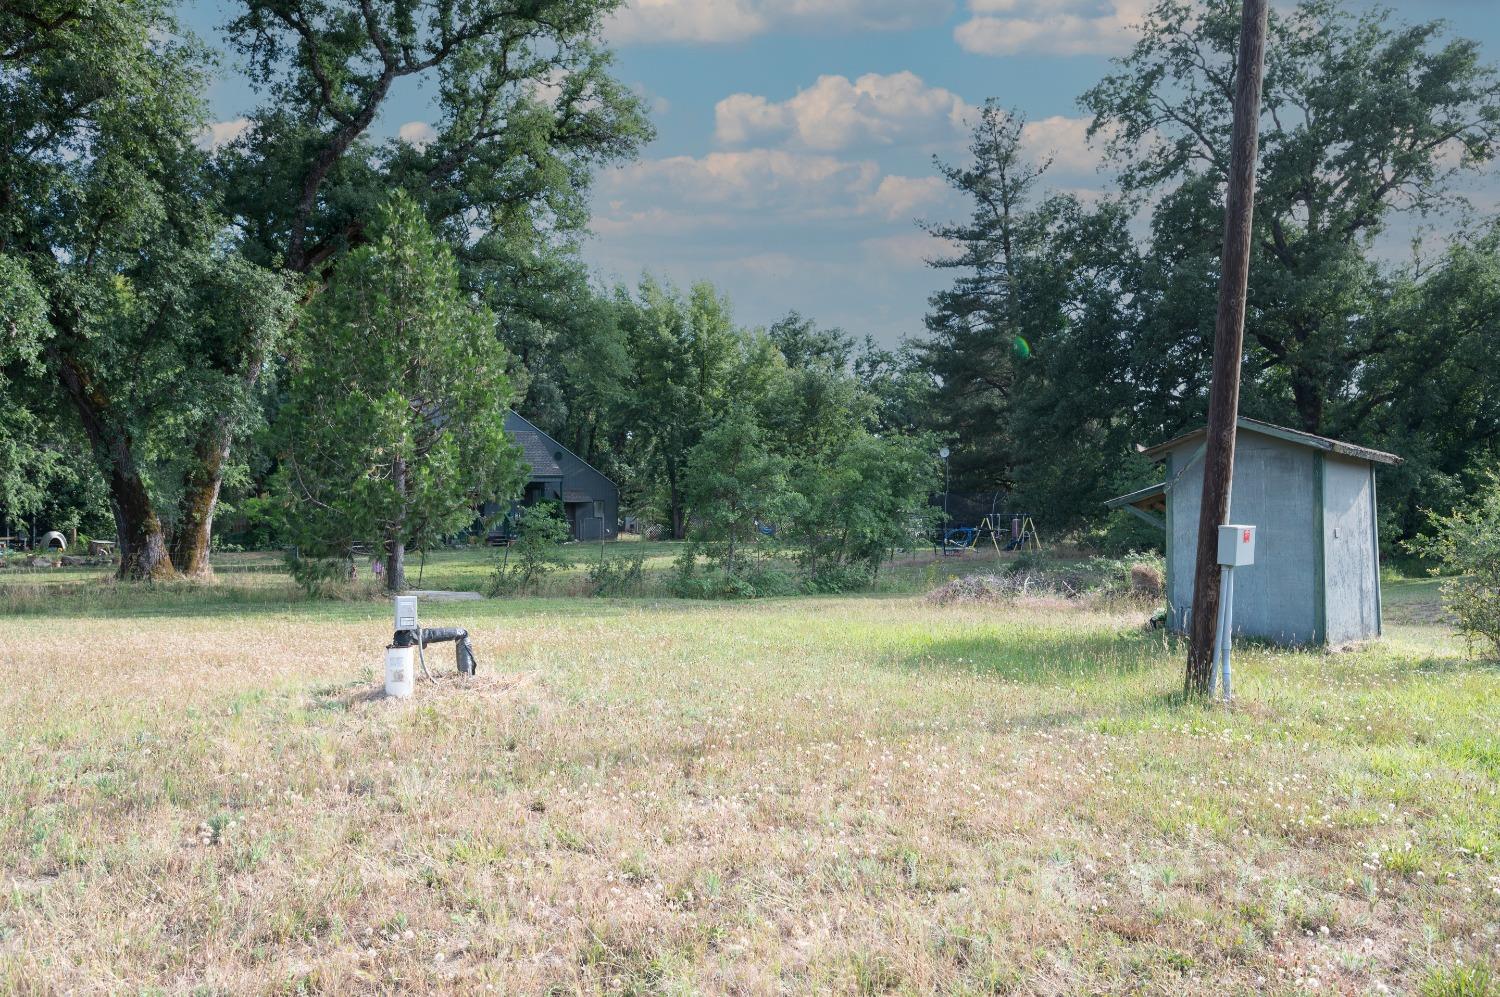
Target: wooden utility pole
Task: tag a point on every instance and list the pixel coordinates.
(1229, 342)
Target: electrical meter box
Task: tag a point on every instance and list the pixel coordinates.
(406, 609)
(1236, 545)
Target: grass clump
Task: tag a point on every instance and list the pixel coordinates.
(1037, 576)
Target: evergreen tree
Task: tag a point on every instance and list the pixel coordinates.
(394, 424)
(975, 340)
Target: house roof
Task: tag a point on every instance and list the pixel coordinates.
(537, 448)
(1296, 436)
(541, 451)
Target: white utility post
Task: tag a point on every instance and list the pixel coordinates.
(1236, 549)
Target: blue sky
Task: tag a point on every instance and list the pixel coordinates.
(795, 137)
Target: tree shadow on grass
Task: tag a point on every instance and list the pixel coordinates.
(105, 599)
(1038, 656)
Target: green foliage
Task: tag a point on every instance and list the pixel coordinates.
(763, 579)
(319, 577)
(1120, 533)
(540, 532)
(616, 576)
(857, 502)
(1365, 118)
(525, 108)
(967, 349)
(735, 486)
(155, 332)
(393, 429)
(23, 313)
(1033, 422)
(1466, 543)
(684, 354)
(1461, 981)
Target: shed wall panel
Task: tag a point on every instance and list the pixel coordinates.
(1352, 572)
(1277, 597)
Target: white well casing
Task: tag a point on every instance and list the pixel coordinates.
(400, 671)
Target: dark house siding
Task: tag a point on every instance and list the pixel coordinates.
(589, 499)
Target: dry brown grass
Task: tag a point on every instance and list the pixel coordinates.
(814, 796)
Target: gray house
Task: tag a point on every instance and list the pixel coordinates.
(589, 499)
(1316, 579)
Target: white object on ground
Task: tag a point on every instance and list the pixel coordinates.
(400, 673)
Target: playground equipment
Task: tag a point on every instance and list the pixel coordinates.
(408, 643)
(1023, 533)
(1006, 532)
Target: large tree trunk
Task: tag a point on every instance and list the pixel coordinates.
(193, 541)
(142, 544)
(1307, 396)
(200, 497)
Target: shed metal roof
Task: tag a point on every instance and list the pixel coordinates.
(1296, 436)
(1152, 497)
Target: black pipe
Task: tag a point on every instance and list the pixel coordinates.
(463, 650)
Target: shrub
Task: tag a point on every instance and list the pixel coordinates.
(540, 529)
(1123, 533)
(1466, 544)
(761, 580)
(1031, 574)
(830, 578)
(620, 575)
(1146, 580)
(319, 576)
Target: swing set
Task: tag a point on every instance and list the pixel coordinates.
(1007, 532)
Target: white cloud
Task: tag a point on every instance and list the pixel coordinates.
(836, 113)
(221, 133)
(1054, 27)
(901, 197)
(657, 104)
(756, 182)
(417, 133)
(1064, 140)
(905, 249)
(710, 21)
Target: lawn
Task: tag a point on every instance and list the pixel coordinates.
(202, 792)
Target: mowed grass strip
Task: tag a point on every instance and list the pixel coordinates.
(865, 795)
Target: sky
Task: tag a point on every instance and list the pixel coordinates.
(795, 139)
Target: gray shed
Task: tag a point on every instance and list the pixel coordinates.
(1316, 579)
(589, 499)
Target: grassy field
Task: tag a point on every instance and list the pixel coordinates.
(204, 793)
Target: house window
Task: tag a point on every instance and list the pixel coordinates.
(598, 509)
